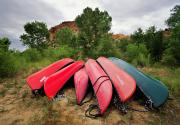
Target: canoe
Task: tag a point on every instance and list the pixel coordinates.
(36, 80)
(81, 84)
(54, 83)
(124, 84)
(155, 91)
(101, 84)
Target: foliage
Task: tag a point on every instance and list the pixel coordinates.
(122, 44)
(9, 65)
(66, 36)
(153, 40)
(138, 36)
(32, 55)
(93, 24)
(4, 44)
(106, 47)
(168, 58)
(36, 35)
(174, 18)
(138, 54)
(174, 44)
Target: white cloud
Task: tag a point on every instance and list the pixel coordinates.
(71, 8)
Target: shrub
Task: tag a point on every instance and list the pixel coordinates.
(9, 65)
(138, 54)
(58, 53)
(168, 58)
(66, 36)
(106, 47)
(32, 55)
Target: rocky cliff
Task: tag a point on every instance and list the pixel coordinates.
(72, 25)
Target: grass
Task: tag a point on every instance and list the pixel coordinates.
(170, 77)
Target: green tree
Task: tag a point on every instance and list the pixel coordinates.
(4, 44)
(106, 47)
(175, 43)
(154, 41)
(174, 18)
(138, 36)
(138, 54)
(66, 36)
(36, 35)
(93, 25)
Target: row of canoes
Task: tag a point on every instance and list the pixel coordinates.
(108, 76)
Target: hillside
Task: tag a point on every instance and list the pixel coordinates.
(72, 25)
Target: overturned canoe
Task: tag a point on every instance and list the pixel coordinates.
(101, 84)
(56, 81)
(36, 80)
(154, 90)
(124, 84)
(81, 84)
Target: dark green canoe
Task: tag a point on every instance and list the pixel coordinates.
(152, 88)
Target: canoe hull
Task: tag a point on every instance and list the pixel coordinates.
(124, 84)
(81, 84)
(102, 85)
(153, 89)
(36, 80)
(56, 81)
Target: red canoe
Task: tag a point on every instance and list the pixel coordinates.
(101, 84)
(124, 84)
(36, 80)
(56, 81)
(81, 84)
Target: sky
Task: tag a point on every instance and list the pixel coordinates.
(127, 15)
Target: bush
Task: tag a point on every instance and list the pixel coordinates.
(138, 54)
(168, 58)
(122, 44)
(32, 55)
(66, 36)
(58, 53)
(9, 65)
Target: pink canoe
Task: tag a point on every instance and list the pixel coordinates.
(81, 84)
(101, 84)
(124, 84)
(56, 81)
(36, 80)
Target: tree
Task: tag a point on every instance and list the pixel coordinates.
(66, 36)
(138, 36)
(175, 43)
(174, 18)
(93, 24)
(106, 47)
(36, 36)
(4, 44)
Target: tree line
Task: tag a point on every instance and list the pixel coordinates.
(142, 48)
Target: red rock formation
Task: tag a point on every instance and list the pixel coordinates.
(70, 24)
(119, 36)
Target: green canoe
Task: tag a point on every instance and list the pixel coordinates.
(152, 88)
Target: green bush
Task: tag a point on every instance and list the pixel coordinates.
(138, 54)
(63, 51)
(32, 55)
(9, 64)
(66, 36)
(168, 58)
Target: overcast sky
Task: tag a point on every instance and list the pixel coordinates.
(127, 15)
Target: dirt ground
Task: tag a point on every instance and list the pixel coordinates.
(19, 106)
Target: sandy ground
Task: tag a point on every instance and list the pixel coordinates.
(19, 106)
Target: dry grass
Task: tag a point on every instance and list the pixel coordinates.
(18, 106)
